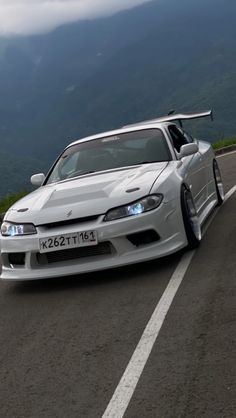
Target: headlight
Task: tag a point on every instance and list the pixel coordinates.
(9, 229)
(136, 208)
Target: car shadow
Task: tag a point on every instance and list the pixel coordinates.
(138, 271)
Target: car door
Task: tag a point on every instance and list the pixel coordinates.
(193, 168)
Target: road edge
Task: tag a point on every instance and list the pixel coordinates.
(225, 150)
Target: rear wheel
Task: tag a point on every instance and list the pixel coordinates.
(190, 218)
(218, 184)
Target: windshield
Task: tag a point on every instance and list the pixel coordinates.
(126, 149)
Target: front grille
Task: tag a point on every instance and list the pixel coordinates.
(66, 222)
(103, 248)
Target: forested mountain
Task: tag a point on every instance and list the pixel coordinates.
(15, 172)
(96, 75)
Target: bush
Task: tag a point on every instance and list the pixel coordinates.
(9, 200)
(224, 143)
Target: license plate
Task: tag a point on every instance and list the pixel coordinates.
(66, 241)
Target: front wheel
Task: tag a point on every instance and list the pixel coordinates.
(218, 184)
(190, 218)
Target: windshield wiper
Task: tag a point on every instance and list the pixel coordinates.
(86, 172)
(145, 162)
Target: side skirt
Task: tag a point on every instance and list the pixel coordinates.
(211, 203)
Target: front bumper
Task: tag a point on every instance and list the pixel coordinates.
(166, 221)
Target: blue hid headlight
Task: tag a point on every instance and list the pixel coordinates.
(9, 229)
(136, 208)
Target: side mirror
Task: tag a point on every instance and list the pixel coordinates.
(188, 149)
(37, 179)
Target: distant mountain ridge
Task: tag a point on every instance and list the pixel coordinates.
(98, 75)
(15, 173)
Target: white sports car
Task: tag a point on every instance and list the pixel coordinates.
(121, 197)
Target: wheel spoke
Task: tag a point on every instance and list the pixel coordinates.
(193, 218)
(219, 183)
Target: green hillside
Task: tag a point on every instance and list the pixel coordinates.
(97, 75)
(15, 173)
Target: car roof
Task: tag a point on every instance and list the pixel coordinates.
(158, 123)
(131, 128)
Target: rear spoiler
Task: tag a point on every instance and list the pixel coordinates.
(178, 117)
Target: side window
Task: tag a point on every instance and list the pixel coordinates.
(188, 137)
(177, 136)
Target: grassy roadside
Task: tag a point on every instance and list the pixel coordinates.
(9, 200)
(224, 143)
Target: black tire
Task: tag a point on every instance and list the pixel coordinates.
(218, 184)
(190, 218)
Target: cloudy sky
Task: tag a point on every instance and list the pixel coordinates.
(22, 17)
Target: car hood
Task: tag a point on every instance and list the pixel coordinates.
(88, 195)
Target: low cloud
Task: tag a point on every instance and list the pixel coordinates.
(24, 17)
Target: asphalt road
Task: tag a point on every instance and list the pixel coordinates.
(64, 344)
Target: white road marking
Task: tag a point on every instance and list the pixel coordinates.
(230, 193)
(225, 155)
(130, 378)
(126, 387)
